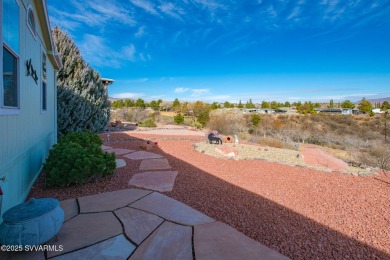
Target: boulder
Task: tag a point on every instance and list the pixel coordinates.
(148, 145)
(226, 150)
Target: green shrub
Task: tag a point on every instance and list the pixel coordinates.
(148, 122)
(197, 125)
(255, 120)
(179, 119)
(77, 159)
(82, 138)
(203, 117)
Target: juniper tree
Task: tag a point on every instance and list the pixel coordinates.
(81, 98)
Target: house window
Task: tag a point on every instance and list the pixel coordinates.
(31, 20)
(44, 86)
(10, 35)
(10, 79)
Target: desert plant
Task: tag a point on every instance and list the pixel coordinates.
(179, 119)
(148, 122)
(197, 125)
(255, 118)
(135, 114)
(378, 156)
(203, 117)
(77, 159)
(227, 121)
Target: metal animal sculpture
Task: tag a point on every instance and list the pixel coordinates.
(212, 138)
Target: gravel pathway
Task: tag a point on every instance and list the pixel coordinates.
(302, 213)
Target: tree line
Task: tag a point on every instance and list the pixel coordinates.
(306, 107)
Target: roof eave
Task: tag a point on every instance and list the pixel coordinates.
(43, 19)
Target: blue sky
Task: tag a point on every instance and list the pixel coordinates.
(231, 50)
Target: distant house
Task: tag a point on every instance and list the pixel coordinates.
(28, 99)
(258, 110)
(285, 110)
(339, 111)
(377, 111)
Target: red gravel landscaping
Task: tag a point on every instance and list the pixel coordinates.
(300, 212)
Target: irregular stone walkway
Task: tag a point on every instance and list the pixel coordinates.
(157, 175)
(140, 224)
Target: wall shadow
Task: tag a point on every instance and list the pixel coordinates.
(272, 224)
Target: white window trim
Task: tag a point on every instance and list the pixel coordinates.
(8, 110)
(34, 33)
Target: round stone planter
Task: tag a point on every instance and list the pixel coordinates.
(31, 223)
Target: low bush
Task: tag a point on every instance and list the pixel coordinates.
(197, 125)
(165, 120)
(378, 156)
(77, 159)
(148, 122)
(255, 119)
(228, 122)
(134, 114)
(179, 119)
(83, 138)
(203, 117)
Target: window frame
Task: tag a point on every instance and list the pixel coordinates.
(32, 30)
(6, 110)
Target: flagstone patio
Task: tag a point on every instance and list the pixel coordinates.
(141, 224)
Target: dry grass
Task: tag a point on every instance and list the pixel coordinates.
(168, 113)
(350, 138)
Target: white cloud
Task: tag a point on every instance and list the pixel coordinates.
(127, 95)
(92, 13)
(181, 90)
(140, 32)
(294, 13)
(171, 10)
(271, 11)
(112, 10)
(129, 52)
(145, 5)
(210, 4)
(96, 51)
(200, 90)
(197, 92)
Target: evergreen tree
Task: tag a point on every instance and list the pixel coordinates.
(140, 103)
(365, 106)
(82, 102)
(347, 104)
(264, 104)
(215, 105)
(274, 105)
(154, 105)
(287, 104)
(240, 105)
(226, 104)
(317, 105)
(306, 108)
(331, 104)
(176, 105)
(249, 104)
(385, 105)
(129, 103)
